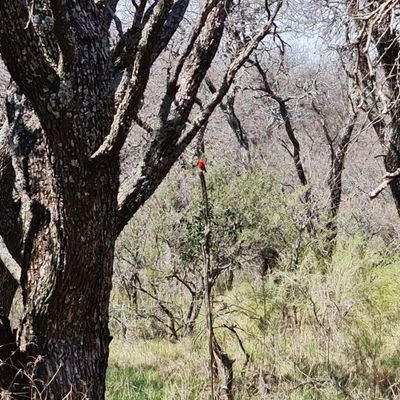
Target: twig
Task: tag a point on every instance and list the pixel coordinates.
(232, 328)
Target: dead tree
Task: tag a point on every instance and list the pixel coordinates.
(338, 146)
(295, 151)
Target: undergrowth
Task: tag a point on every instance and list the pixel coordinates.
(307, 334)
(298, 325)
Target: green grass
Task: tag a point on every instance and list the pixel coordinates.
(128, 383)
(153, 370)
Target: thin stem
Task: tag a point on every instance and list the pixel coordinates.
(207, 278)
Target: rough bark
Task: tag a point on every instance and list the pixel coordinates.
(68, 208)
(66, 258)
(387, 44)
(8, 218)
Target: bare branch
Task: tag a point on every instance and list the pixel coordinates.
(284, 113)
(387, 179)
(161, 25)
(172, 87)
(126, 48)
(9, 262)
(229, 77)
(117, 21)
(228, 108)
(324, 123)
(232, 328)
(130, 104)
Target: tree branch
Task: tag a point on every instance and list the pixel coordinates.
(228, 78)
(9, 212)
(284, 112)
(173, 86)
(125, 50)
(228, 108)
(9, 262)
(324, 124)
(387, 179)
(117, 21)
(130, 104)
(20, 50)
(168, 142)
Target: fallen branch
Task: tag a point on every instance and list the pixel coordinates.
(388, 178)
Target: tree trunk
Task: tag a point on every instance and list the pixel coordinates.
(335, 180)
(72, 351)
(392, 160)
(67, 254)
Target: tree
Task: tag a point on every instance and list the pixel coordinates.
(70, 108)
(376, 33)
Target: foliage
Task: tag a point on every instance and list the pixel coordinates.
(251, 226)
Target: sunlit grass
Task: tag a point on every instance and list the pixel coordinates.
(155, 370)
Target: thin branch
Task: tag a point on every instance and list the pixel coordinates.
(387, 179)
(124, 52)
(117, 21)
(228, 108)
(284, 113)
(172, 86)
(9, 262)
(229, 77)
(232, 328)
(324, 124)
(125, 49)
(207, 272)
